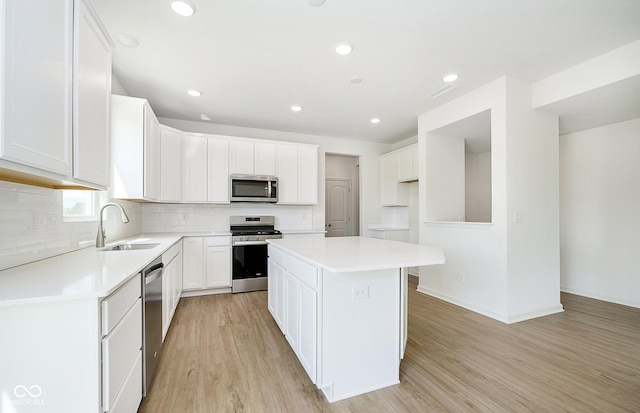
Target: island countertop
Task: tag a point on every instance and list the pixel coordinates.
(351, 254)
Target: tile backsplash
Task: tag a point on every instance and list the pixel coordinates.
(207, 218)
(32, 226)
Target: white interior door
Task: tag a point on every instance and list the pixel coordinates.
(338, 207)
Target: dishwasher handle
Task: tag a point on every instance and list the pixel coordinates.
(153, 273)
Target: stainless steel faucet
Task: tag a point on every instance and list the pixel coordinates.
(101, 237)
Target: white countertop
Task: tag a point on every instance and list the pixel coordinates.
(80, 274)
(350, 254)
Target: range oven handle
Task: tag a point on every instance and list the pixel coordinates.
(242, 243)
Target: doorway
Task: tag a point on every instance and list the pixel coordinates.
(342, 198)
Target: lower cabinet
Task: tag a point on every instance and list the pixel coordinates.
(122, 348)
(206, 265)
(293, 302)
(171, 284)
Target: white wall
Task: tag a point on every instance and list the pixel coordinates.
(445, 178)
(599, 212)
(506, 272)
(368, 152)
(477, 194)
(32, 227)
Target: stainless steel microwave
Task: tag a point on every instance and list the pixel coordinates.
(253, 188)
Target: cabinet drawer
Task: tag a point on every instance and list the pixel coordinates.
(119, 351)
(276, 255)
(115, 306)
(303, 271)
(217, 241)
(130, 396)
(172, 252)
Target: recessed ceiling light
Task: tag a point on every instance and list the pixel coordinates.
(194, 93)
(375, 120)
(126, 40)
(296, 108)
(183, 7)
(204, 117)
(316, 2)
(355, 80)
(450, 77)
(343, 49)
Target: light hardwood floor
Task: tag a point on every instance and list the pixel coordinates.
(224, 353)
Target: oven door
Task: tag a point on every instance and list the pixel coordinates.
(249, 267)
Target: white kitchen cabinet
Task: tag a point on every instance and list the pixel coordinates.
(54, 93)
(135, 149)
(192, 263)
(206, 264)
(276, 290)
(171, 284)
(218, 264)
(218, 169)
(392, 193)
(297, 172)
(91, 97)
(407, 164)
(252, 157)
(194, 168)
(170, 164)
(293, 304)
(241, 156)
(36, 99)
(308, 175)
(264, 158)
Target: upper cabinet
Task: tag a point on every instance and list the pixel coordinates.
(218, 169)
(91, 98)
(252, 157)
(170, 164)
(56, 69)
(395, 168)
(407, 164)
(135, 148)
(297, 172)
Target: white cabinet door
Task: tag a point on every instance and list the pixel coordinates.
(218, 267)
(91, 97)
(276, 293)
(151, 154)
(168, 276)
(391, 192)
(287, 172)
(218, 170)
(264, 158)
(405, 168)
(194, 168)
(307, 343)
(192, 263)
(170, 164)
(36, 48)
(292, 312)
(241, 157)
(307, 175)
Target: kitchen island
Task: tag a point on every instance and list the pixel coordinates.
(341, 304)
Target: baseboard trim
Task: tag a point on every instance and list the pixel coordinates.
(500, 317)
(601, 297)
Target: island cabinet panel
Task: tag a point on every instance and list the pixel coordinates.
(276, 281)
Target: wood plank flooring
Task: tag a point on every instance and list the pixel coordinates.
(224, 353)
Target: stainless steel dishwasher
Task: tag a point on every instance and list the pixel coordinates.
(152, 321)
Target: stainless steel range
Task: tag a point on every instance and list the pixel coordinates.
(249, 244)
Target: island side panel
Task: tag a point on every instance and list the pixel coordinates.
(359, 332)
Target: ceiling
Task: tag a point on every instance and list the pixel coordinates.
(254, 59)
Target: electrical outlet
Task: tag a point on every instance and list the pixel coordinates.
(360, 292)
(517, 217)
(461, 277)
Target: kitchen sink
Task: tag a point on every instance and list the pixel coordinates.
(130, 247)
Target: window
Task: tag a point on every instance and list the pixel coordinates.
(80, 205)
